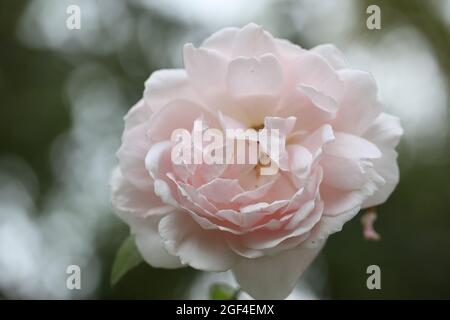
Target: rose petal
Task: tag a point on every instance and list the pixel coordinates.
(221, 40)
(130, 202)
(360, 105)
(196, 247)
(314, 71)
(167, 85)
(352, 147)
(332, 54)
(151, 246)
(387, 168)
(138, 114)
(385, 131)
(251, 76)
(274, 277)
(253, 41)
(131, 155)
(199, 63)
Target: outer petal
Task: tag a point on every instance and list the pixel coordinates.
(250, 76)
(131, 155)
(386, 131)
(360, 105)
(345, 174)
(137, 115)
(158, 160)
(312, 108)
(253, 41)
(288, 51)
(330, 224)
(338, 201)
(196, 247)
(274, 277)
(221, 40)
(314, 71)
(205, 68)
(319, 99)
(129, 202)
(352, 147)
(250, 41)
(142, 211)
(387, 168)
(166, 85)
(332, 54)
(151, 246)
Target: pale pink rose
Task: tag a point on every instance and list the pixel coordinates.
(338, 148)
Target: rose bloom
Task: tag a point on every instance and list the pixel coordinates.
(337, 151)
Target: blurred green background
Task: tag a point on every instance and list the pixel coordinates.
(63, 94)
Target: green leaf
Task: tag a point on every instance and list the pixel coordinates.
(223, 291)
(127, 257)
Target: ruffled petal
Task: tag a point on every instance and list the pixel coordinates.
(151, 246)
(252, 76)
(385, 131)
(166, 85)
(387, 168)
(360, 105)
(196, 247)
(332, 54)
(253, 41)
